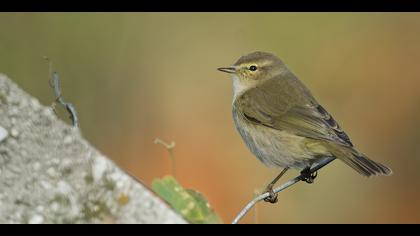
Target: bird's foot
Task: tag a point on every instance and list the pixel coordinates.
(308, 176)
(273, 196)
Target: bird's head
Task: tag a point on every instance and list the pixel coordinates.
(254, 68)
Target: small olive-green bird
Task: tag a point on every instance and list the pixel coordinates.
(282, 123)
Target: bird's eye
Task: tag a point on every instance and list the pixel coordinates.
(253, 68)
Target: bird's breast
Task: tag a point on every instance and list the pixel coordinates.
(270, 146)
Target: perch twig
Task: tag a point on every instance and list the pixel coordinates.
(323, 162)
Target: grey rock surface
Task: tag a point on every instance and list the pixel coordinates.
(50, 174)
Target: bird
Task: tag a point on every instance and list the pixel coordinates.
(283, 124)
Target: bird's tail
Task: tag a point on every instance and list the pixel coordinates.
(360, 162)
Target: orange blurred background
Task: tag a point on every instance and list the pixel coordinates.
(137, 76)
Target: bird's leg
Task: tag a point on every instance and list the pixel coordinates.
(273, 196)
(308, 176)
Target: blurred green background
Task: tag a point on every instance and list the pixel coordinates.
(137, 76)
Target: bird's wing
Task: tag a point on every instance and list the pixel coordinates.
(285, 104)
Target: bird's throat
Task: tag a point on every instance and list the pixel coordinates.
(240, 86)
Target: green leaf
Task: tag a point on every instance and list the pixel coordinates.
(192, 205)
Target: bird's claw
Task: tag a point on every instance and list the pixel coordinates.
(308, 177)
(272, 198)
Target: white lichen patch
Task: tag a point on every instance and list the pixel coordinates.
(14, 133)
(36, 166)
(68, 139)
(48, 112)
(121, 180)
(36, 219)
(98, 168)
(3, 134)
(55, 206)
(52, 172)
(34, 103)
(40, 209)
(63, 188)
(45, 185)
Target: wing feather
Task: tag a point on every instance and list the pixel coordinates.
(286, 104)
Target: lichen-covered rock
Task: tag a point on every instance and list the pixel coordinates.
(50, 174)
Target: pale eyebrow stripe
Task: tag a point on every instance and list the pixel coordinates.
(259, 63)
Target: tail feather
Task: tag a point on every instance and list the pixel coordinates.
(360, 162)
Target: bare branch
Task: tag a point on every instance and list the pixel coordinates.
(323, 162)
(55, 84)
(170, 147)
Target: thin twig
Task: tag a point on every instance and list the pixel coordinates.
(170, 147)
(256, 215)
(323, 162)
(55, 84)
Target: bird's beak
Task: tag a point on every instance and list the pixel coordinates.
(230, 70)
